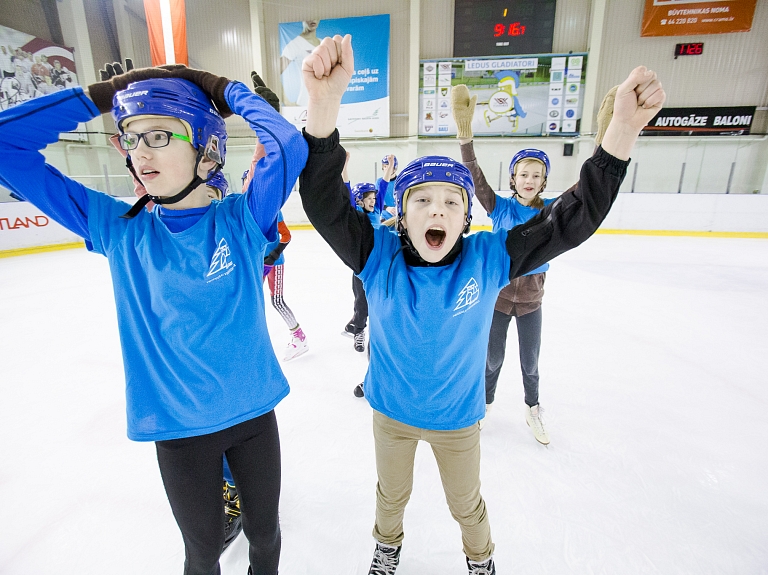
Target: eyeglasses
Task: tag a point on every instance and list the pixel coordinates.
(153, 139)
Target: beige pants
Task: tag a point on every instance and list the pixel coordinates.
(458, 458)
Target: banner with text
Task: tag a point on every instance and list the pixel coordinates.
(688, 17)
(516, 95)
(365, 106)
(733, 121)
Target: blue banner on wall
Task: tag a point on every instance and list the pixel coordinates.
(365, 106)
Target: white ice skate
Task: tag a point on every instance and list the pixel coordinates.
(533, 418)
(297, 346)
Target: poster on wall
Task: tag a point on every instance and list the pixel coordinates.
(365, 106)
(689, 17)
(32, 67)
(732, 121)
(516, 96)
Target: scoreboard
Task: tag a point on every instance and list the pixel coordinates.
(503, 27)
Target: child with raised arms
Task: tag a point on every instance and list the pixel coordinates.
(202, 379)
(431, 292)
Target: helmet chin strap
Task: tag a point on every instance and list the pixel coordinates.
(166, 200)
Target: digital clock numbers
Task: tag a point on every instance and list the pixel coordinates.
(503, 27)
(689, 49)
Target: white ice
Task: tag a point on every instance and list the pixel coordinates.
(654, 378)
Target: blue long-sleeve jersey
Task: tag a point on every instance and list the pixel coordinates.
(187, 283)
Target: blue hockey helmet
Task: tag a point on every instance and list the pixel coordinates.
(385, 161)
(359, 191)
(179, 99)
(529, 154)
(219, 182)
(433, 170)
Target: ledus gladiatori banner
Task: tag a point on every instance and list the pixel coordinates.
(365, 106)
(516, 95)
(31, 67)
(733, 121)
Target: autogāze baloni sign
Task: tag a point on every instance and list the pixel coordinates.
(735, 121)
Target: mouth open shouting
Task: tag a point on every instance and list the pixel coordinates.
(435, 237)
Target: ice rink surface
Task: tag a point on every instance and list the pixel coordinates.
(654, 381)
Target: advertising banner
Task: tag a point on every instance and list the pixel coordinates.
(688, 17)
(365, 106)
(22, 225)
(31, 67)
(733, 121)
(516, 95)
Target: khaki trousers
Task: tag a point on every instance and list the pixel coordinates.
(458, 457)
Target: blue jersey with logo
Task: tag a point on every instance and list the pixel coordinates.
(429, 330)
(194, 362)
(509, 213)
(187, 283)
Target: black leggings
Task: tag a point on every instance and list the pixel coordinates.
(360, 317)
(191, 469)
(529, 342)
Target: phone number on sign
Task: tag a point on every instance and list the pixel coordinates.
(680, 21)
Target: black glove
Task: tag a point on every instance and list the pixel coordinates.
(102, 92)
(274, 255)
(115, 69)
(261, 89)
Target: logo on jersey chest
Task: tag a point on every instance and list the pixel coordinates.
(468, 297)
(221, 265)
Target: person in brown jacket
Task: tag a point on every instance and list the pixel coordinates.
(521, 299)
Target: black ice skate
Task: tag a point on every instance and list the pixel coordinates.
(349, 330)
(481, 568)
(360, 341)
(233, 523)
(385, 560)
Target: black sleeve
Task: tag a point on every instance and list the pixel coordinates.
(570, 219)
(326, 202)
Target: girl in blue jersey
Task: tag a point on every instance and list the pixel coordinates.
(186, 276)
(432, 291)
(522, 298)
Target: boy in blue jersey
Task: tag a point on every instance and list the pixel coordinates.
(431, 292)
(186, 277)
(364, 197)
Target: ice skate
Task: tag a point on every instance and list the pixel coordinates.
(360, 341)
(349, 330)
(359, 390)
(233, 522)
(533, 418)
(385, 560)
(481, 568)
(297, 346)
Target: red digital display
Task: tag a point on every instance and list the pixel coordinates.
(689, 49)
(514, 29)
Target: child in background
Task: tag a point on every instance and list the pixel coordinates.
(367, 201)
(386, 186)
(186, 277)
(432, 291)
(274, 261)
(521, 299)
